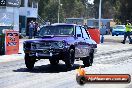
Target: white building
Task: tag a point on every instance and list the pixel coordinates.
(9, 14)
(28, 11)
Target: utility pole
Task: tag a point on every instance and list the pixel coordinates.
(59, 12)
(100, 14)
(102, 37)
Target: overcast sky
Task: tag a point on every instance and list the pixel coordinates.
(90, 1)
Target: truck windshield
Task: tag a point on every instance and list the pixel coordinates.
(57, 30)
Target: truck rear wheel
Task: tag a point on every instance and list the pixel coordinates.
(87, 61)
(29, 61)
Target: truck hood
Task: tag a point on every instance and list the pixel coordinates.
(70, 40)
(67, 39)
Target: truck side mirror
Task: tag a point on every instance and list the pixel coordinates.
(78, 35)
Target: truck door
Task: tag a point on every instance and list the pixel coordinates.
(82, 49)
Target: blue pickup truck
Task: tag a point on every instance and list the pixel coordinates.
(61, 41)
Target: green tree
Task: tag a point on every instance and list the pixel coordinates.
(107, 9)
(48, 9)
(124, 10)
(120, 10)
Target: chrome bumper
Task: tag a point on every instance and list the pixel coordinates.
(44, 52)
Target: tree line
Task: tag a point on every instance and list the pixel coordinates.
(119, 10)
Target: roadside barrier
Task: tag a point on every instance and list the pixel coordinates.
(95, 34)
(9, 42)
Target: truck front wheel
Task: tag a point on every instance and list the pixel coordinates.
(87, 61)
(29, 61)
(54, 60)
